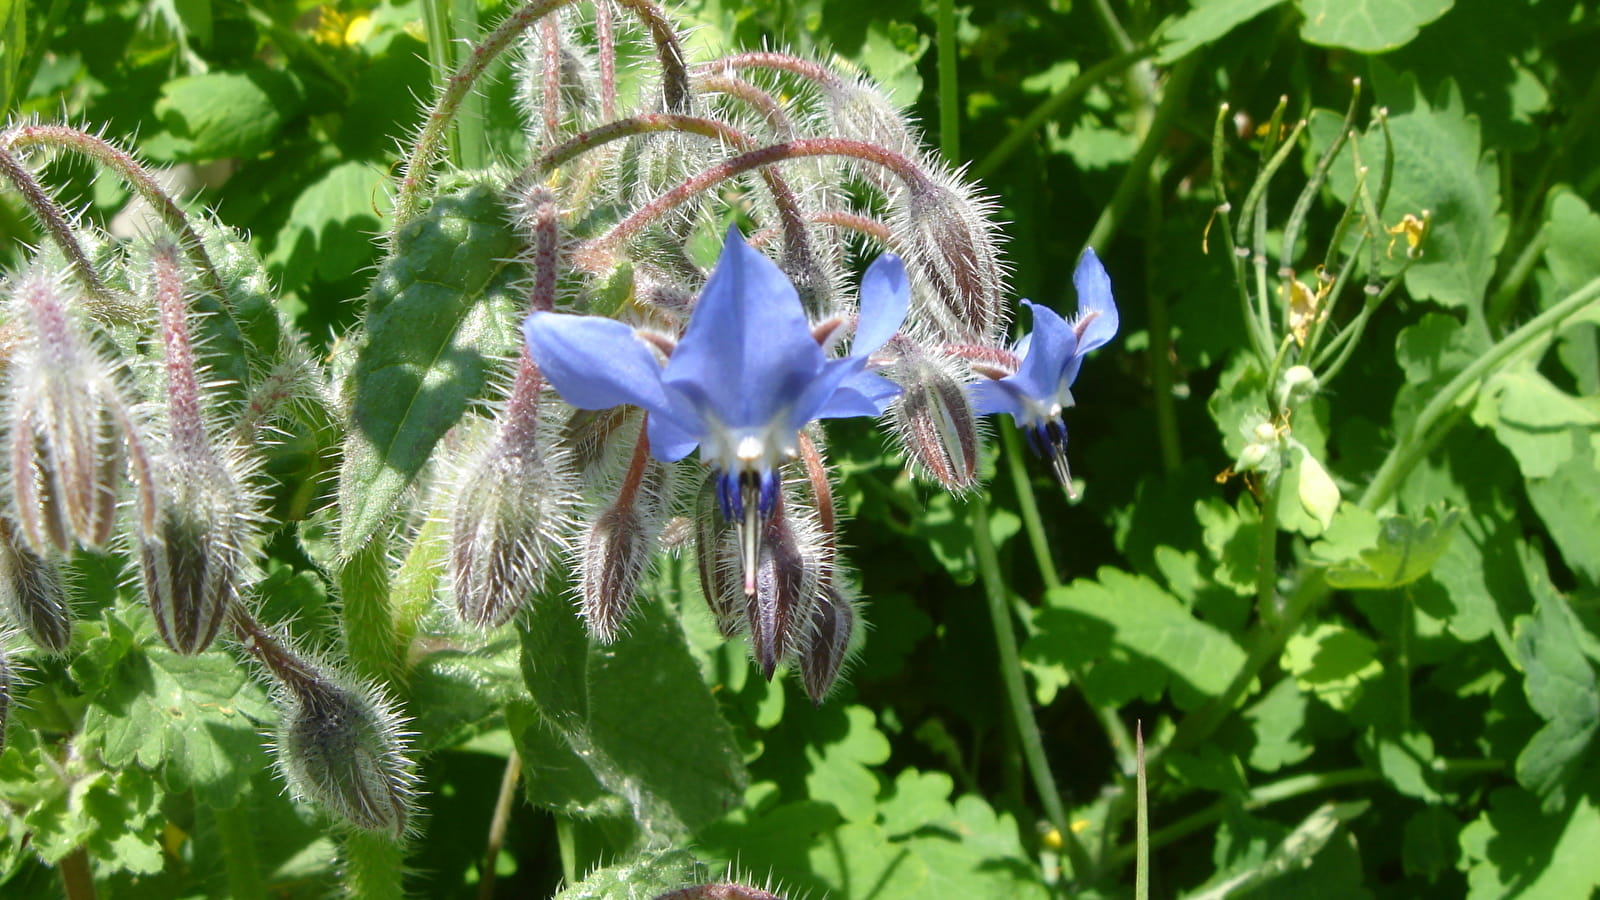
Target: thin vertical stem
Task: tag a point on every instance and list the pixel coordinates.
(1141, 867)
(498, 823)
(76, 882)
(1028, 508)
(1133, 179)
(1016, 689)
(949, 96)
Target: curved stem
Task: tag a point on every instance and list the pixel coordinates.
(53, 219)
(1133, 178)
(1407, 452)
(498, 823)
(76, 881)
(136, 176)
(374, 866)
(1016, 691)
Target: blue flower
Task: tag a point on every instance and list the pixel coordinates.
(742, 381)
(1048, 361)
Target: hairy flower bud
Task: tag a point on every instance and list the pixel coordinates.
(344, 749)
(31, 591)
(934, 420)
(833, 620)
(950, 248)
(509, 519)
(617, 552)
(67, 416)
(717, 554)
(787, 580)
(195, 517)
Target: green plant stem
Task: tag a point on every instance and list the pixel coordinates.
(949, 96)
(1289, 789)
(1016, 690)
(369, 629)
(1410, 449)
(374, 866)
(1144, 80)
(1141, 868)
(1054, 105)
(1160, 350)
(498, 823)
(239, 853)
(472, 149)
(76, 882)
(1028, 507)
(1503, 300)
(1267, 549)
(1133, 178)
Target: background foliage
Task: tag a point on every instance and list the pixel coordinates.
(1385, 685)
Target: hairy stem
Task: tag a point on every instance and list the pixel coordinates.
(53, 219)
(374, 866)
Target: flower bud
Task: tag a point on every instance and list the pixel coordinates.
(718, 557)
(833, 619)
(1297, 385)
(787, 582)
(614, 561)
(343, 749)
(509, 520)
(67, 417)
(31, 591)
(935, 422)
(950, 248)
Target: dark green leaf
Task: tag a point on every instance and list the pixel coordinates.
(224, 114)
(1207, 21)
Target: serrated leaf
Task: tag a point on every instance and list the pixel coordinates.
(1134, 638)
(1332, 663)
(1537, 421)
(225, 114)
(1367, 26)
(1561, 688)
(1206, 21)
(890, 53)
(196, 718)
(839, 769)
(1406, 550)
(1278, 721)
(440, 317)
(638, 714)
(1513, 849)
(1569, 503)
(1570, 234)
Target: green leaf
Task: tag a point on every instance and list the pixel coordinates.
(638, 714)
(651, 873)
(455, 693)
(1367, 26)
(1405, 551)
(13, 47)
(1571, 233)
(1434, 348)
(1134, 637)
(196, 718)
(225, 114)
(1537, 421)
(1569, 503)
(1300, 853)
(1561, 688)
(1431, 844)
(1514, 849)
(1206, 21)
(1332, 663)
(890, 54)
(330, 227)
(1278, 721)
(839, 769)
(441, 316)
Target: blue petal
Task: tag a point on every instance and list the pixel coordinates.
(863, 393)
(669, 441)
(885, 297)
(989, 397)
(1053, 347)
(594, 362)
(1097, 311)
(748, 351)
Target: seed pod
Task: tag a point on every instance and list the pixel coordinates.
(67, 417)
(344, 749)
(934, 420)
(31, 591)
(833, 620)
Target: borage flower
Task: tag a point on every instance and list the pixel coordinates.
(743, 380)
(1048, 359)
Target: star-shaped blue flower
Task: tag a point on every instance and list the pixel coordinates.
(1048, 361)
(743, 380)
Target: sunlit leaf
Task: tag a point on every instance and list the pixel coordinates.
(1367, 26)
